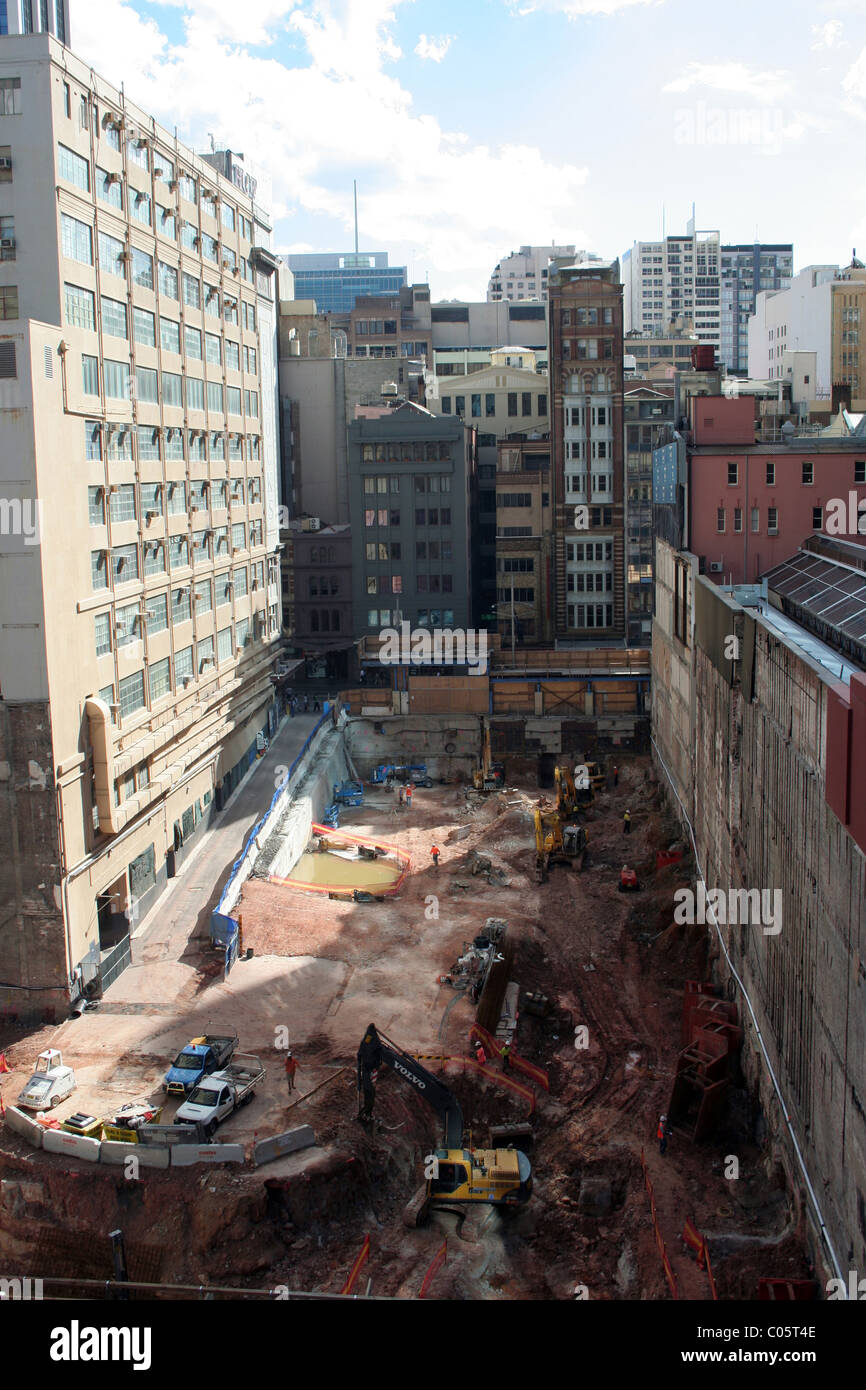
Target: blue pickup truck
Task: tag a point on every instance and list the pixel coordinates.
(198, 1059)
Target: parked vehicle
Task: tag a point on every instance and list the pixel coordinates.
(198, 1059)
(401, 772)
(50, 1083)
(219, 1095)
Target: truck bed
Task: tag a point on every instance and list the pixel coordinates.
(242, 1071)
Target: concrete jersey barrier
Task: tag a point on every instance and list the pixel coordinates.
(58, 1141)
(266, 1150)
(185, 1155)
(147, 1156)
(31, 1130)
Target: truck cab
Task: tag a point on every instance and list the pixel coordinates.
(50, 1083)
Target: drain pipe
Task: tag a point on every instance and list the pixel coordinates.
(785, 1115)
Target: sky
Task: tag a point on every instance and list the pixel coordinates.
(476, 126)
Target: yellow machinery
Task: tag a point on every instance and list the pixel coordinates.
(490, 776)
(557, 842)
(453, 1174)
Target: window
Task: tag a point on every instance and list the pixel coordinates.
(242, 633)
(738, 518)
(80, 307)
(109, 188)
(96, 506)
(756, 520)
(156, 613)
(720, 519)
(174, 443)
(191, 291)
(195, 401)
(772, 521)
(251, 404)
(182, 666)
(76, 239)
(188, 188)
(733, 474)
(112, 255)
(92, 439)
(143, 327)
(142, 269)
(446, 405)
(165, 222)
(214, 396)
(176, 500)
(249, 316)
(159, 679)
(250, 360)
(178, 549)
(167, 280)
(151, 493)
(860, 471)
(123, 503)
(172, 390)
(512, 403)
(126, 625)
(542, 403)
(70, 165)
(8, 310)
(233, 357)
(124, 563)
(116, 377)
(213, 348)
(526, 403)
(204, 597)
(239, 535)
(212, 302)
(225, 650)
(192, 342)
(181, 610)
(230, 311)
(113, 314)
(139, 207)
(233, 399)
(240, 582)
(102, 624)
(146, 388)
(817, 518)
(208, 247)
(808, 473)
(771, 475)
(131, 693)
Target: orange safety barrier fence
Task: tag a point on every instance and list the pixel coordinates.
(434, 1269)
(660, 1245)
(357, 1267)
(499, 1077)
(693, 1240)
(352, 839)
(536, 1074)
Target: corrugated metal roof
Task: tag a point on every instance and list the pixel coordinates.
(830, 593)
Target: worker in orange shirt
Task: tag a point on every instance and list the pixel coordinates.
(480, 1054)
(291, 1068)
(409, 791)
(434, 855)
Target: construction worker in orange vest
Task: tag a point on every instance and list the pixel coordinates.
(663, 1133)
(434, 854)
(480, 1054)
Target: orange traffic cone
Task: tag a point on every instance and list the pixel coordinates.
(3, 1064)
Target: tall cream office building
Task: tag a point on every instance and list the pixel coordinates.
(140, 599)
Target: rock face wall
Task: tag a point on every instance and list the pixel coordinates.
(761, 821)
(32, 947)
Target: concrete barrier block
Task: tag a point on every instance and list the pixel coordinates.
(22, 1124)
(147, 1155)
(287, 1143)
(185, 1155)
(57, 1141)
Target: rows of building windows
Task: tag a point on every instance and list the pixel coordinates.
(125, 441)
(755, 519)
(587, 615)
(405, 451)
(157, 612)
(523, 399)
(426, 617)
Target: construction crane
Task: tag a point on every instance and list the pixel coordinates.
(453, 1174)
(557, 842)
(490, 776)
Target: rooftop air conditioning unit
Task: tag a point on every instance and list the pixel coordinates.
(172, 185)
(715, 567)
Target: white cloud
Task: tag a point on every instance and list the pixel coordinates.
(226, 19)
(434, 49)
(737, 78)
(827, 35)
(342, 113)
(575, 9)
(854, 87)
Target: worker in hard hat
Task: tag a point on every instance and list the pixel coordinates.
(626, 823)
(663, 1133)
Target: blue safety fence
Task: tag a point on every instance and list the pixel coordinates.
(222, 923)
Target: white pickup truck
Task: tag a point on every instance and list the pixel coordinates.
(217, 1096)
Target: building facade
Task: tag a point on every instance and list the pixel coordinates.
(648, 410)
(465, 335)
(323, 598)
(35, 17)
(676, 278)
(748, 271)
(523, 274)
(823, 311)
(137, 407)
(335, 279)
(524, 543)
(750, 504)
(412, 506)
(587, 466)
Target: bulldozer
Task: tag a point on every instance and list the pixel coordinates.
(489, 776)
(557, 842)
(453, 1174)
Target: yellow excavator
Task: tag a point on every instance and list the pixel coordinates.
(490, 776)
(453, 1174)
(557, 841)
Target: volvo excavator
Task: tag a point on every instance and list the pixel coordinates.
(454, 1174)
(489, 776)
